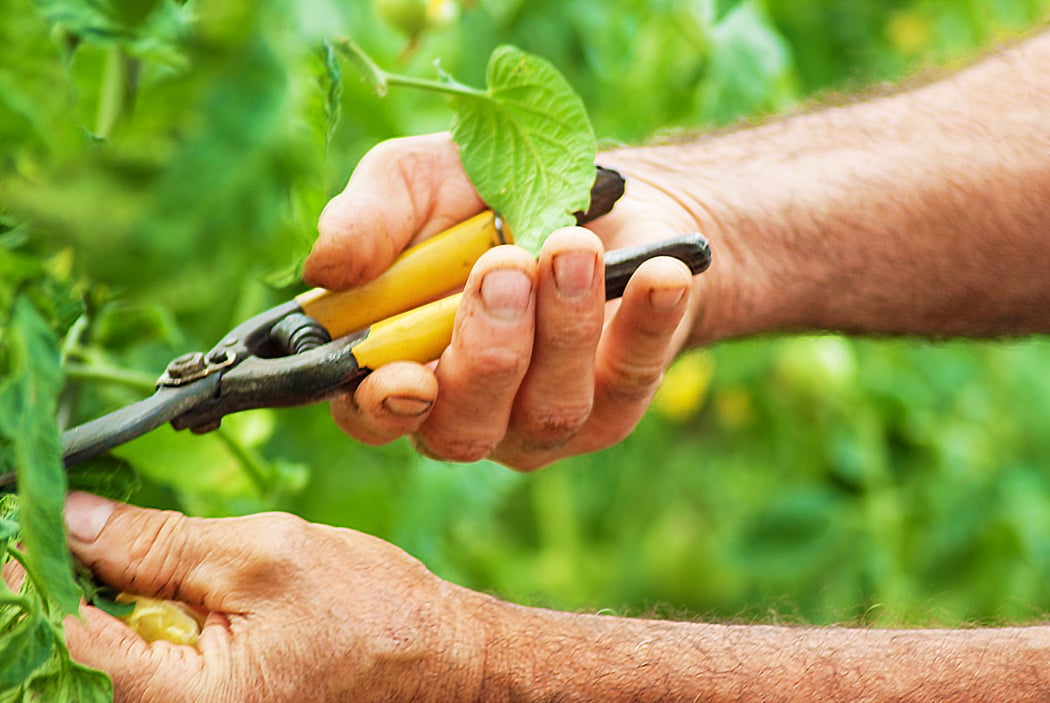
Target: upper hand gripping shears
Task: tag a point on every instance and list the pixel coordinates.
(325, 342)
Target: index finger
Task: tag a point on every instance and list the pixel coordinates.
(403, 190)
(221, 565)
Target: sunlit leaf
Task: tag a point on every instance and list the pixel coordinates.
(527, 145)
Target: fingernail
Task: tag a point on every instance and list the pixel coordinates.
(406, 406)
(573, 272)
(86, 515)
(506, 293)
(665, 299)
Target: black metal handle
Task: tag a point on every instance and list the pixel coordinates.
(620, 264)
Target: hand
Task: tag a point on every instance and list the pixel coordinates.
(297, 611)
(539, 367)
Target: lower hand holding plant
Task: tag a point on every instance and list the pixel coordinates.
(296, 611)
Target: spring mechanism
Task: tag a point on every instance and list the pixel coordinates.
(298, 333)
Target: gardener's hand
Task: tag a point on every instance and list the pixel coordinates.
(539, 367)
(297, 612)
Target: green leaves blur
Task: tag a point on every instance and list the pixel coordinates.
(527, 145)
(32, 382)
(37, 666)
(171, 159)
(213, 119)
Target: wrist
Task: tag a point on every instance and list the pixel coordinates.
(675, 187)
(458, 662)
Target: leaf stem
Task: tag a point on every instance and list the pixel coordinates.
(447, 86)
(74, 336)
(381, 80)
(369, 70)
(114, 91)
(99, 373)
(21, 602)
(30, 574)
(257, 470)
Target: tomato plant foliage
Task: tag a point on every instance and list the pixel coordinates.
(161, 126)
(36, 664)
(162, 165)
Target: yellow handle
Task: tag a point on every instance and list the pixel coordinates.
(417, 335)
(420, 274)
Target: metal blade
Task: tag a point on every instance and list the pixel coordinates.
(106, 432)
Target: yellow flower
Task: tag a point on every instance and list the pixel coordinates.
(685, 386)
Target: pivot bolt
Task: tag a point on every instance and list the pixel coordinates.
(186, 365)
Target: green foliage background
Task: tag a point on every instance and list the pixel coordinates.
(168, 161)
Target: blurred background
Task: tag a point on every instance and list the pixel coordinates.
(169, 160)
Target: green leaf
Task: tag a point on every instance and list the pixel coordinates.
(68, 681)
(10, 613)
(24, 649)
(724, 7)
(38, 454)
(750, 69)
(331, 82)
(99, 595)
(107, 476)
(527, 145)
(9, 506)
(8, 529)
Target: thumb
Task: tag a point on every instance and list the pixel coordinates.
(163, 554)
(402, 190)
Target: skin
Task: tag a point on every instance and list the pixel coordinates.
(308, 612)
(917, 213)
(539, 367)
(920, 213)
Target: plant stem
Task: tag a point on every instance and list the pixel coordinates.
(110, 374)
(114, 86)
(14, 599)
(257, 471)
(73, 337)
(30, 574)
(448, 87)
(381, 80)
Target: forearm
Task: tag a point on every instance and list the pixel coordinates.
(923, 212)
(542, 656)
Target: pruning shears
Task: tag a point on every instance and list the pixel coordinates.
(324, 342)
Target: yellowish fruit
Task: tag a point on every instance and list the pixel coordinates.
(166, 620)
(407, 16)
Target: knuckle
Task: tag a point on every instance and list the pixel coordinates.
(282, 539)
(633, 382)
(527, 464)
(548, 427)
(283, 531)
(159, 548)
(495, 365)
(525, 459)
(359, 423)
(270, 558)
(459, 449)
(579, 333)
